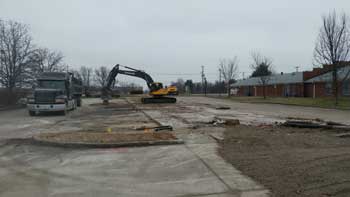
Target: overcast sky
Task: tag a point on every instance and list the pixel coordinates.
(167, 37)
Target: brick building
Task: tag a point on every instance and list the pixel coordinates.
(321, 85)
(290, 84)
(315, 83)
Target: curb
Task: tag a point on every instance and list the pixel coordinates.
(106, 145)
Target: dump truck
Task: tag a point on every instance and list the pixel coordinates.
(55, 92)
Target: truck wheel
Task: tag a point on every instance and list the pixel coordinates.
(79, 102)
(31, 113)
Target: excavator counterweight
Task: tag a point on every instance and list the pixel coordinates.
(156, 90)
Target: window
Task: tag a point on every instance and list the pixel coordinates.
(328, 88)
(52, 84)
(346, 88)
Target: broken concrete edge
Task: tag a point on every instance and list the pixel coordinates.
(225, 121)
(235, 180)
(343, 135)
(310, 124)
(223, 108)
(216, 137)
(38, 141)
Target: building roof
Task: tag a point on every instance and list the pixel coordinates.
(286, 78)
(327, 77)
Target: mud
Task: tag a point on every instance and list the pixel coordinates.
(291, 161)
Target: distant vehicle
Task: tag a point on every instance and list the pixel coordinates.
(55, 91)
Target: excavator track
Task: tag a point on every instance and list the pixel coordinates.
(147, 100)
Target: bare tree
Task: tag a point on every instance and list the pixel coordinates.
(86, 73)
(101, 75)
(76, 73)
(262, 68)
(180, 85)
(15, 51)
(45, 60)
(333, 46)
(229, 71)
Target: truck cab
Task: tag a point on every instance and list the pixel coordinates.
(55, 91)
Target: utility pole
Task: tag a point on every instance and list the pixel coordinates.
(297, 68)
(203, 79)
(205, 86)
(220, 82)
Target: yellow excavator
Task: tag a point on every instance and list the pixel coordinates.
(172, 90)
(156, 91)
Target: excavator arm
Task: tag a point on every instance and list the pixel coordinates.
(131, 72)
(156, 89)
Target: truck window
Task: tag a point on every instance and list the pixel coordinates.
(52, 84)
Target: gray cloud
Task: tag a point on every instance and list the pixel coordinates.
(175, 36)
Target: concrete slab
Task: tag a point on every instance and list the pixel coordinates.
(146, 171)
(178, 170)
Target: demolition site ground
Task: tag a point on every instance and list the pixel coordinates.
(216, 156)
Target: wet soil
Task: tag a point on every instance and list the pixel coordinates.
(291, 161)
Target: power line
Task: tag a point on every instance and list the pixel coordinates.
(182, 74)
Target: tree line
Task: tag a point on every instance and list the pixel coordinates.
(21, 60)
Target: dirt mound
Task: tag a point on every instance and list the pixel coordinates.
(113, 139)
(291, 161)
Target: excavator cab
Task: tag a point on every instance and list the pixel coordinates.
(156, 86)
(157, 90)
